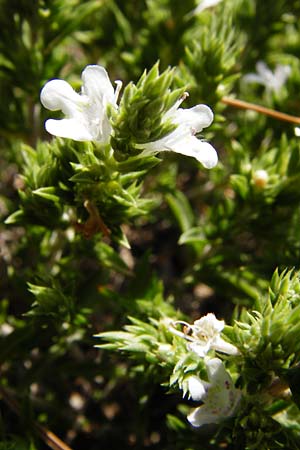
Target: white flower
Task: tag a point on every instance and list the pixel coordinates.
(220, 397)
(6, 329)
(205, 4)
(182, 139)
(273, 81)
(86, 116)
(260, 178)
(205, 336)
(297, 131)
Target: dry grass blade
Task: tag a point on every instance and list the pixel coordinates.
(260, 109)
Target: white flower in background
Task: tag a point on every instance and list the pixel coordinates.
(6, 329)
(220, 397)
(204, 4)
(182, 139)
(86, 116)
(205, 335)
(273, 81)
(297, 131)
(260, 178)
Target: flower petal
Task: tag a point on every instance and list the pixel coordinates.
(68, 128)
(253, 78)
(196, 388)
(215, 370)
(181, 141)
(225, 347)
(263, 70)
(209, 323)
(206, 154)
(59, 95)
(97, 85)
(196, 118)
(205, 4)
(222, 397)
(100, 92)
(201, 348)
(282, 71)
(281, 74)
(203, 415)
(202, 151)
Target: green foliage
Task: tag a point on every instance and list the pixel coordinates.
(152, 342)
(268, 335)
(33, 37)
(140, 117)
(65, 185)
(212, 52)
(16, 444)
(144, 32)
(267, 339)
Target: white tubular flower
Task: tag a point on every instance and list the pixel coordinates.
(86, 116)
(273, 81)
(220, 397)
(205, 4)
(182, 139)
(205, 336)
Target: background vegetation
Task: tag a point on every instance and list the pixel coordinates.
(182, 241)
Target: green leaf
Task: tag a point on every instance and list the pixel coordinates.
(15, 217)
(181, 209)
(110, 258)
(193, 235)
(240, 184)
(48, 193)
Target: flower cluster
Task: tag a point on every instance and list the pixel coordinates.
(87, 119)
(219, 396)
